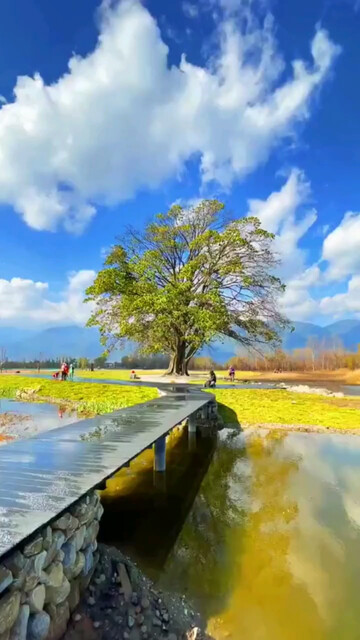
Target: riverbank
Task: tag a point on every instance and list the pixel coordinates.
(278, 408)
(122, 603)
(88, 398)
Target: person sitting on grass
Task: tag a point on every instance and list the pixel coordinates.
(211, 382)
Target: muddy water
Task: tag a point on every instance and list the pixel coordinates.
(269, 547)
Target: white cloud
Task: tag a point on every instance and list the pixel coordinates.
(341, 248)
(343, 304)
(279, 214)
(297, 302)
(122, 119)
(27, 303)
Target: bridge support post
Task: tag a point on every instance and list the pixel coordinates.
(160, 454)
(192, 429)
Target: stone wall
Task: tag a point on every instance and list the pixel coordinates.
(41, 582)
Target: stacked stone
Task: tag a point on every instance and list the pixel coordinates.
(42, 581)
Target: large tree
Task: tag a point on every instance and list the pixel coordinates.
(191, 276)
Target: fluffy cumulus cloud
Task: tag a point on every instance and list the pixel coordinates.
(285, 214)
(341, 248)
(27, 303)
(122, 118)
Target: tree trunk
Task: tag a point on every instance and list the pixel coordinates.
(178, 363)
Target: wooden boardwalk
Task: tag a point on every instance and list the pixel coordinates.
(42, 476)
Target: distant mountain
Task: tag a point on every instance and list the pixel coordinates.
(80, 341)
(55, 342)
(344, 332)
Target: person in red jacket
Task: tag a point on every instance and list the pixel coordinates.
(64, 370)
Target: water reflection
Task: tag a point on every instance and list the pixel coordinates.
(270, 547)
(137, 500)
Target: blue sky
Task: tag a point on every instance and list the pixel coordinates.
(251, 101)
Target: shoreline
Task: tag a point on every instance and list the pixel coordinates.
(303, 428)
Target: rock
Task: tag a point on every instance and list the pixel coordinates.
(134, 599)
(74, 595)
(9, 610)
(125, 582)
(56, 595)
(193, 634)
(33, 547)
(6, 578)
(19, 629)
(69, 554)
(91, 601)
(91, 533)
(32, 571)
(59, 556)
(97, 624)
(53, 576)
(89, 560)
(15, 563)
(143, 628)
(58, 539)
(99, 512)
(140, 619)
(145, 603)
(47, 538)
(156, 622)
(83, 512)
(77, 617)
(126, 635)
(77, 539)
(66, 522)
(58, 624)
(36, 599)
(130, 621)
(76, 569)
(51, 610)
(165, 617)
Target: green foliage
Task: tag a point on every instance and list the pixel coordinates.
(270, 406)
(90, 398)
(190, 277)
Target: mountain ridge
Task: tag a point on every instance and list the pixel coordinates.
(75, 341)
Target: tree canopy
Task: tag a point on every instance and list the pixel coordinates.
(191, 276)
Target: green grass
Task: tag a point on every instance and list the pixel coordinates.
(258, 406)
(90, 398)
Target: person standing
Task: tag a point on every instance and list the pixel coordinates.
(72, 371)
(64, 371)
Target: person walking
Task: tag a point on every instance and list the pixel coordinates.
(232, 374)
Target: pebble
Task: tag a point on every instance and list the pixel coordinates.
(143, 628)
(91, 601)
(134, 599)
(138, 609)
(156, 622)
(126, 635)
(165, 617)
(77, 617)
(97, 624)
(130, 622)
(140, 618)
(157, 613)
(145, 603)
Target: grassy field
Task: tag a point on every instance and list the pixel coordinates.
(259, 406)
(90, 398)
(344, 376)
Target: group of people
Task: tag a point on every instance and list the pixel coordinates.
(66, 371)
